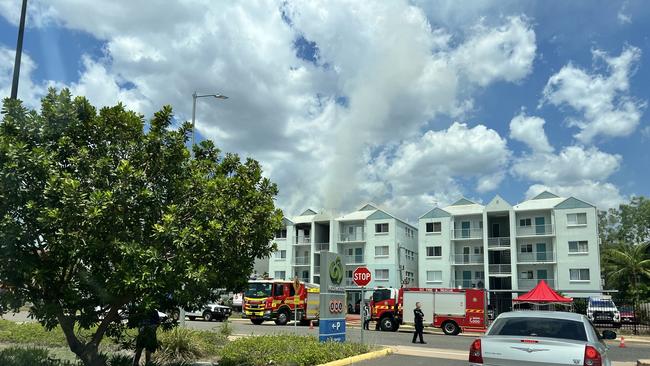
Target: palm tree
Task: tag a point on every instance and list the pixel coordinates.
(627, 263)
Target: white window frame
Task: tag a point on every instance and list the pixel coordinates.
(279, 256)
(576, 221)
(433, 251)
(527, 246)
(283, 277)
(580, 277)
(281, 237)
(381, 228)
(434, 280)
(433, 227)
(528, 222)
(381, 278)
(578, 251)
(527, 275)
(382, 255)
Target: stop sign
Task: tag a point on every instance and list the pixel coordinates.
(361, 276)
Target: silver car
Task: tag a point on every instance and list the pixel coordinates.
(541, 338)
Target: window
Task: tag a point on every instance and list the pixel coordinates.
(381, 275)
(434, 227)
(410, 233)
(578, 246)
(381, 228)
(526, 248)
(381, 251)
(280, 275)
(525, 222)
(410, 255)
(526, 275)
(281, 234)
(281, 254)
(479, 275)
(539, 327)
(410, 277)
(434, 251)
(576, 219)
(434, 276)
(579, 274)
(478, 250)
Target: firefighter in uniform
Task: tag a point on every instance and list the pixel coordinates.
(419, 323)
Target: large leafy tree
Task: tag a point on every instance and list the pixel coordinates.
(100, 211)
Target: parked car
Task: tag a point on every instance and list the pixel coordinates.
(210, 312)
(628, 315)
(541, 338)
(602, 310)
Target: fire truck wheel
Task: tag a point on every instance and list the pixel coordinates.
(257, 321)
(450, 328)
(283, 317)
(387, 324)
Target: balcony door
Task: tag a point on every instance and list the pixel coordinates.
(495, 230)
(466, 254)
(465, 225)
(541, 251)
(540, 226)
(467, 279)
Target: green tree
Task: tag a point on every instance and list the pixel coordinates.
(100, 211)
(628, 264)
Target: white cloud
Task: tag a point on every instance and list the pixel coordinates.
(603, 195)
(623, 16)
(503, 53)
(530, 130)
(28, 91)
(604, 102)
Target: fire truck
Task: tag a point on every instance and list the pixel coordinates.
(453, 310)
(266, 300)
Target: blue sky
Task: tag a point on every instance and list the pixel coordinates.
(407, 104)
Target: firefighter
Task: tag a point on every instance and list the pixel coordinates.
(419, 323)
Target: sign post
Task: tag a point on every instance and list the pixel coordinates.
(331, 320)
(361, 277)
(296, 302)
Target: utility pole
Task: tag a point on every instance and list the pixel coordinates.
(19, 51)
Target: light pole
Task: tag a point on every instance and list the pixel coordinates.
(19, 51)
(194, 98)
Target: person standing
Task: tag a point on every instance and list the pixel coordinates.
(419, 323)
(146, 339)
(366, 317)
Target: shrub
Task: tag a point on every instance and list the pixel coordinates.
(226, 329)
(183, 344)
(18, 356)
(286, 350)
(32, 333)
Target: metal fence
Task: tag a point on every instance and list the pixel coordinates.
(619, 314)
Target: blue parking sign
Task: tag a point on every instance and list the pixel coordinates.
(331, 330)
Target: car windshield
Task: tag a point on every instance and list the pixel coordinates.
(627, 309)
(258, 290)
(381, 295)
(602, 303)
(540, 327)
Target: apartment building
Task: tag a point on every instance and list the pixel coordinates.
(510, 248)
(369, 237)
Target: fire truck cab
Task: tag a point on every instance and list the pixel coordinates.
(277, 300)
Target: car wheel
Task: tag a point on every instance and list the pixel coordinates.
(450, 328)
(207, 316)
(257, 321)
(283, 318)
(387, 324)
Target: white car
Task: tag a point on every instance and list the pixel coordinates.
(602, 310)
(541, 338)
(210, 312)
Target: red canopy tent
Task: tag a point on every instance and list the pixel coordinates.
(542, 294)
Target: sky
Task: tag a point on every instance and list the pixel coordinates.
(407, 104)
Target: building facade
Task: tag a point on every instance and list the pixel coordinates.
(507, 248)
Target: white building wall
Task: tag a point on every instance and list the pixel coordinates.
(276, 264)
(441, 263)
(375, 239)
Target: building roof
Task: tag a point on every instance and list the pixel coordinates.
(356, 216)
(464, 206)
(539, 204)
(370, 209)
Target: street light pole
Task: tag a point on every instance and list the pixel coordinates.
(19, 51)
(194, 98)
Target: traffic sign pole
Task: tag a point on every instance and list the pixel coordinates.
(363, 313)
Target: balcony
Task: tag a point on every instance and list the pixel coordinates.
(500, 269)
(352, 238)
(529, 284)
(301, 261)
(468, 283)
(468, 259)
(322, 246)
(352, 260)
(302, 240)
(535, 230)
(536, 257)
(316, 270)
(467, 234)
(497, 243)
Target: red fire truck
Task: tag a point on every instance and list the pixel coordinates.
(266, 300)
(453, 310)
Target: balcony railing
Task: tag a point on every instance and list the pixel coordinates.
(349, 282)
(502, 242)
(351, 238)
(535, 230)
(472, 233)
(526, 284)
(302, 240)
(322, 246)
(468, 258)
(301, 261)
(500, 269)
(468, 283)
(316, 270)
(354, 259)
(536, 257)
